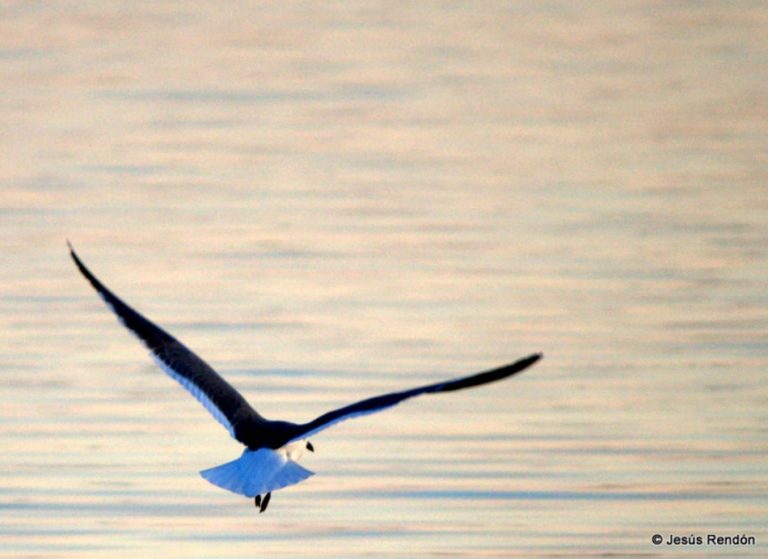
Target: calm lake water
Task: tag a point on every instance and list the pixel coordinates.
(328, 201)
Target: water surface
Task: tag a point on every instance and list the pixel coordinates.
(328, 202)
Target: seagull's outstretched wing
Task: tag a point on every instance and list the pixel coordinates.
(378, 403)
(225, 403)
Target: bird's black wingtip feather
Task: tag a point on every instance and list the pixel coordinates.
(524, 363)
(486, 376)
(73, 254)
(77, 260)
(93, 280)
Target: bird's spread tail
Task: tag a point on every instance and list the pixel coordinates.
(257, 472)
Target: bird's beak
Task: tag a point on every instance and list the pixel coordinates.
(310, 447)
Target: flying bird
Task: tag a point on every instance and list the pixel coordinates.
(272, 448)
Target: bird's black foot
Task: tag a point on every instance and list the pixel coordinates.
(265, 502)
(257, 501)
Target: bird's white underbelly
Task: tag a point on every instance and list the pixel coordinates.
(260, 471)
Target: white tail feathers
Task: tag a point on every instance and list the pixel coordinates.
(257, 472)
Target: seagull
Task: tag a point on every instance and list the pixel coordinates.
(272, 448)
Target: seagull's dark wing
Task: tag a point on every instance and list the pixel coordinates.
(226, 405)
(378, 403)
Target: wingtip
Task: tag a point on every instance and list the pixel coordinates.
(82, 268)
(523, 363)
(74, 256)
(531, 359)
